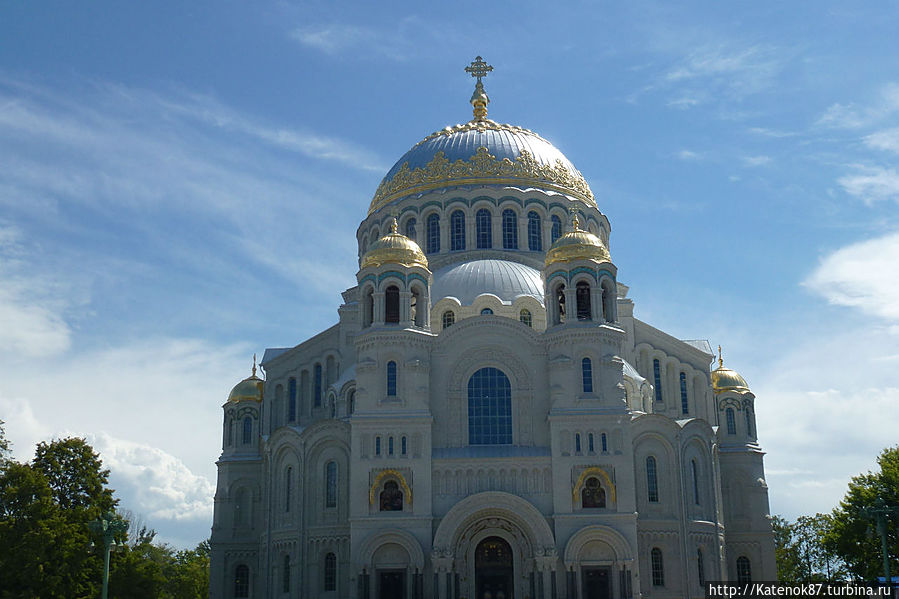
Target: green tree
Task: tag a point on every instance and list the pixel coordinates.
(852, 536)
(44, 510)
(4, 445)
(786, 551)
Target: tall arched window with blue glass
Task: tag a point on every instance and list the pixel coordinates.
(587, 375)
(489, 408)
(457, 231)
(433, 233)
(483, 229)
(391, 379)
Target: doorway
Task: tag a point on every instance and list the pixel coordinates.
(493, 569)
(391, 584)
(596, 583)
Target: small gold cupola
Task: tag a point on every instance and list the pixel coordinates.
(577, 244)
(725, 379)
(394, 248)
(248, 389)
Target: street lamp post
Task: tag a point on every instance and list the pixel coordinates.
(879, 514)
(108, 526)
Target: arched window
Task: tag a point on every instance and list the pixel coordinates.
(317, 391)
(368, 307)
(351, 402)
(433, 226)
(560, 303)
(744, 569)
(731, 421)
(403, 445)
(602, 440)
(657, 378)
(489, 408)
(285, 574)
(525, 318)
(684, 405)
(247, 430)
(330, 578)
(700, 566)
(229, 426)
(510, 230)
(331, 484)
(652, 480)
(448, 319)
(377, 445)
(242, 507)
(587, 375)
(582, 294)
(416, 315)
(557, 228)
(535, 232)
(392, 305)
(486, 312)
(457, 231)
(658, 567)
(288, 485)
(748, 415)
(332, 406)
(483, 229)
(391, 379)
(694, 471)
(242, 581)
(590, 446)
(593, 495)
(577, 442)
(292, 400)
(277, 407)
(410, 228)
(391, 499)
(389, 445)
(608, 301)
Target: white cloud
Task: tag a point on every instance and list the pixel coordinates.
(888, 140)
(152, 408)
(688, 155)
(854, 116)
(153, 482)
(756, 160)
(715, 70)
(862, 275)
(871, 183)
(336, 39)
(31, 305)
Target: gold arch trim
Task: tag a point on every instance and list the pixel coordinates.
(482, 168)
(390, 473)
(592, 471)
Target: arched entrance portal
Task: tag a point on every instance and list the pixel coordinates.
(493, 569)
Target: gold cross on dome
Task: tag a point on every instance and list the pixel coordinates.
(478, 68)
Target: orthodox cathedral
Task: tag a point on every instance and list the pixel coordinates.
(488, 419)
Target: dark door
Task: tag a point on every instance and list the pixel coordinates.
(391, 585)
(596, 583)
(493, 569)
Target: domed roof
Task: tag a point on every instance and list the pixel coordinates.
(481, 152)
(577, 244)
(394, 248)
(467, 280)
(725, 379)
(250, 388)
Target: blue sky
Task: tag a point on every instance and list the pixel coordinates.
(180, 185)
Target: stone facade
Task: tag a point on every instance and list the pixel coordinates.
(404, 453)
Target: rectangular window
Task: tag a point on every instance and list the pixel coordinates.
(317, 393)
(657, 379)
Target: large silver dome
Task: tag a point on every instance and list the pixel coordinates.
(467, 280)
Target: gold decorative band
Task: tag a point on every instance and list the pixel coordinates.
(482, 168)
